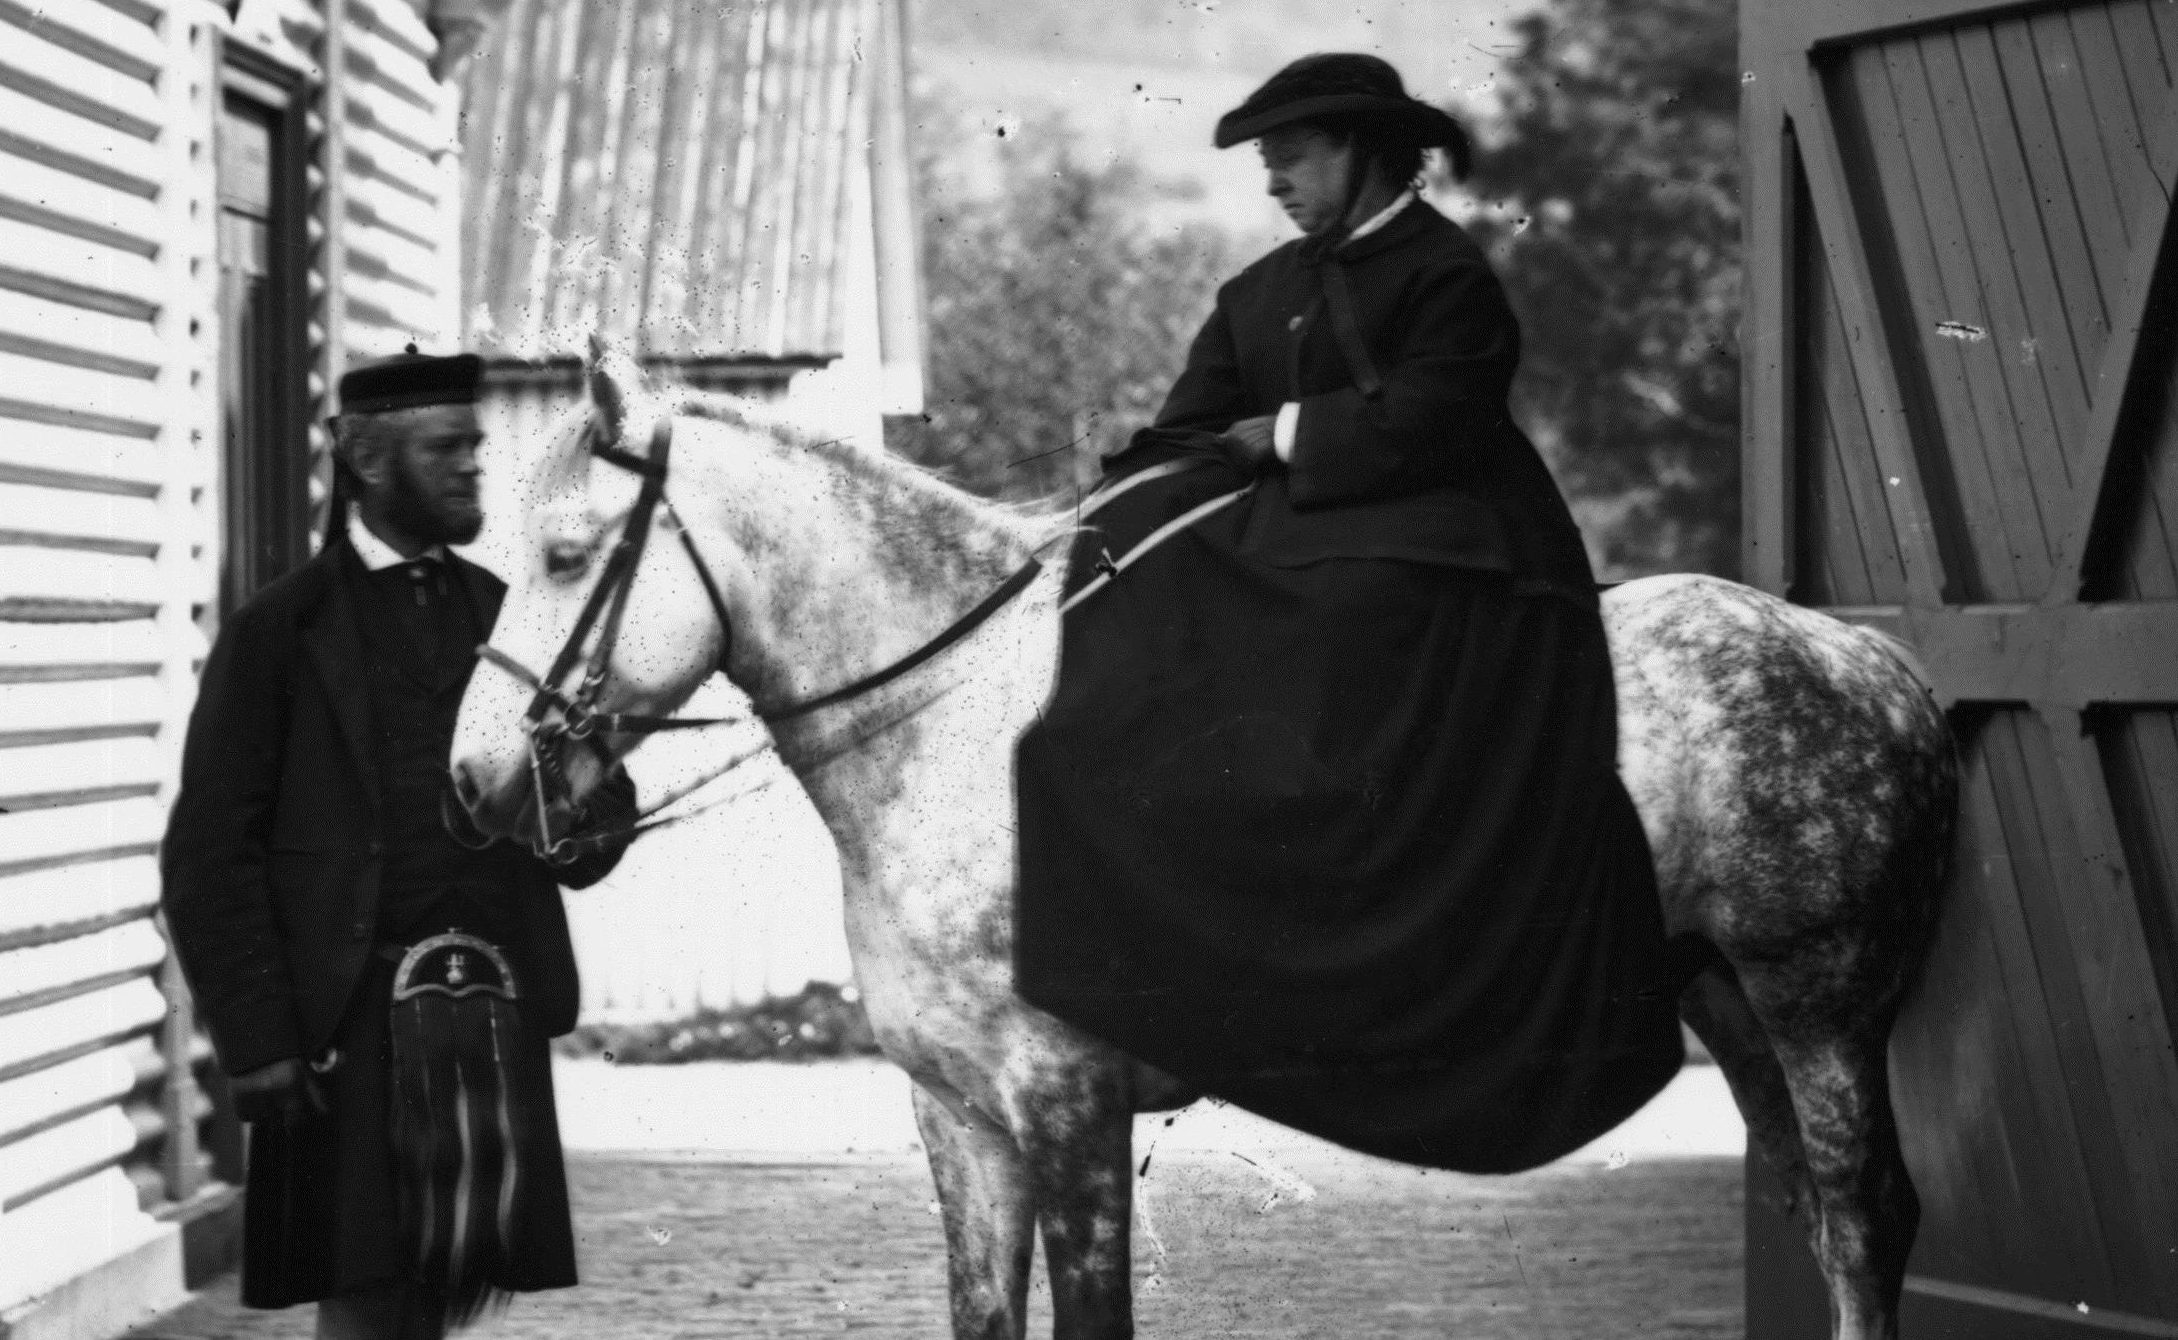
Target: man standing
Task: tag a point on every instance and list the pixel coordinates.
(380, 991)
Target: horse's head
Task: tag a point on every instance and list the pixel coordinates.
(605, 614)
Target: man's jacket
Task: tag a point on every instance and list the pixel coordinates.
(271, 862)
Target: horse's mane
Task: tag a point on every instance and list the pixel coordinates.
(1033, 526)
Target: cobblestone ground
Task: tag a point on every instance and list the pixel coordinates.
(686, 1247)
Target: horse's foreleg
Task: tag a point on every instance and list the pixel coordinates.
(1715, 1007)
(1866, 1211)
(990, 1221)
(1079, 1141)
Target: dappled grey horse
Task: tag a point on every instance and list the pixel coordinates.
(1795, 778)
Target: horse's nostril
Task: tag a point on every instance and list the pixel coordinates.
(465, 787)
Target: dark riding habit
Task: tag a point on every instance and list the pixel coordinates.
(1324, 815)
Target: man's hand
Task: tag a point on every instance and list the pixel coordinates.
(280, 1091)
(1251, 443)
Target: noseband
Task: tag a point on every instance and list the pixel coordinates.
(557, 715)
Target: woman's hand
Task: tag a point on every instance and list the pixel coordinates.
(1251, 443)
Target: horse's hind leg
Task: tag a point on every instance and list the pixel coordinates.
(984, 1196)
(1715, 1007)
(1866, 1209)
(1829, 1036)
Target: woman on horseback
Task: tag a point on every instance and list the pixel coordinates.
(1324, 815)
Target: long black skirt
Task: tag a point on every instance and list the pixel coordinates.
(321, 1215)
(1344, 844)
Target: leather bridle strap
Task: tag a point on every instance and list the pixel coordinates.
(959, 629)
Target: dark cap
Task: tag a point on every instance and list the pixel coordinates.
(409, 379)
(1347, 88)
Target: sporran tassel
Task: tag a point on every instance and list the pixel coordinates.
(459, 1117)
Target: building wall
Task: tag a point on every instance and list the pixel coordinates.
(110, 554)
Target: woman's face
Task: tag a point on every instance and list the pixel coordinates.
(1307, 174)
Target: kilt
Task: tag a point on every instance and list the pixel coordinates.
(321, 1213)
(1343, 842)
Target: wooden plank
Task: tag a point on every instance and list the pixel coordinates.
(2065, 77)
(412, 217)
(52, 652)
(69, 141)
(69, 518)
(2145, 272)
(1956, 469)
(1829, 523)
(2140, 760)
(389, 258)
(1875, 530)
(1831, 568)
(2128, 94)
(75, 261)
(1950, 295)
(90, 209)
(93, 891)
(134, 946)
(42, 835)
(2146, 560)
(35, 1038)
(134, 761)
(81, 89)
(1956, 1054)
(2044, 150)
(133, 704)
(108, 39)
(2018, 277)
(80, 394)
(55, 456)
(31, 1103)
(396, 307)
(407, 170)
(2073, 1154)
(1933, 1307)
(2099, 927)
(97, 338)
(64, 1154)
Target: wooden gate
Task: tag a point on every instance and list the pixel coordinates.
(1961, 348)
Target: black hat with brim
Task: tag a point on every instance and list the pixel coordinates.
(1344, 88)
(410, 380)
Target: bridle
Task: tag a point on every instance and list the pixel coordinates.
(558, 716)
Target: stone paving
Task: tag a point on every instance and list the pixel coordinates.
(1242, 1230)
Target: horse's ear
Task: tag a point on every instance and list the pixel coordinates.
(614, 379)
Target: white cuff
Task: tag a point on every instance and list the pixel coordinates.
(1286, 429)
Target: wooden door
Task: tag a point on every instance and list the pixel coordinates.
(1961, 343)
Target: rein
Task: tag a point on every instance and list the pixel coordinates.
(579, 718)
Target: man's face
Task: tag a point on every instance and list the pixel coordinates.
(421, 465)
(1308, 172)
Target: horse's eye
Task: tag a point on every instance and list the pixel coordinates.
(565, 560)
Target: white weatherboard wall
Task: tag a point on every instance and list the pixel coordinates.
(105, 418)
(110, 546)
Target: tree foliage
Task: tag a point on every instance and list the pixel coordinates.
(1058, 314)
(1611, 203)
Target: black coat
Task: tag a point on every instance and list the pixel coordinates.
(1431, 470)
(271, 861)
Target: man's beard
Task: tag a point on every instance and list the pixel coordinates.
(410, 508)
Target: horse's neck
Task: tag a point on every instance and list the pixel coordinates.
(851, 565)
(848, 565)
(916, 776)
